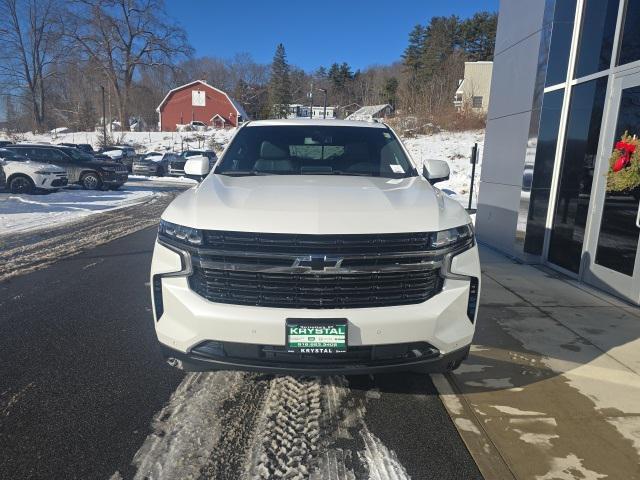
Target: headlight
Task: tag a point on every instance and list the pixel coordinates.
(109, 169)
(453, 237)
(188, 235)
(43, 172)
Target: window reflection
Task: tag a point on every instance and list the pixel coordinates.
(576, 175)
(561, 32)
(630, 46)
(596, 38)
(540, 178)
(618, 238)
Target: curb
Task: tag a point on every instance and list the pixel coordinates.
(486, 455)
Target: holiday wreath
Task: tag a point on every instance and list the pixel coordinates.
(624, 165)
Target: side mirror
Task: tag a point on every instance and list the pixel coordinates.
(436, 171)
(197, 167)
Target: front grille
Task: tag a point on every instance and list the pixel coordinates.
(277, 270)
(309, 290)
(59, 182)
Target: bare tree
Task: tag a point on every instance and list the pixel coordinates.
(30, 44)
(121, 36)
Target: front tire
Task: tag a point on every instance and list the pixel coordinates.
(159, 172)
(91, 181)
(21, 184)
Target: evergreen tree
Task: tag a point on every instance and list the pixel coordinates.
(478, 36)
(442, 38)
(280, 84)
(412, 56)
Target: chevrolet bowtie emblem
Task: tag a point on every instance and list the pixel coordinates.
(318, 262)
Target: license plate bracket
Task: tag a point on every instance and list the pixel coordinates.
(316, 336)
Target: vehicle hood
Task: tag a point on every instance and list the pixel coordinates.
(30, 166)
(316, 204)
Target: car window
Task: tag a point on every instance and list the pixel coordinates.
(53, 155)
(316, 150)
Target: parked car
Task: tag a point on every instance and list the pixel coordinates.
(25, 176)
(123, 154)
(153, 163)
(316, 247)
(193, 126)
(176, 166)
(81, 167)
(85, 147)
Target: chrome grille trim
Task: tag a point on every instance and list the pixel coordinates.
(264, 269)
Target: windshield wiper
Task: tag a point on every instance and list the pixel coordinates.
(243, 173)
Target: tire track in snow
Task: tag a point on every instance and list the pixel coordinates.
(187, 429)
(292, 431)
(238, 417)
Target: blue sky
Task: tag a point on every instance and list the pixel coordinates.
(358, 32)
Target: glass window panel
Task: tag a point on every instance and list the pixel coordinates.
(559, 53)
(565, 11)
(576, 174)
(543, 171)
(630, 45)
(596, 36)
(618, 238)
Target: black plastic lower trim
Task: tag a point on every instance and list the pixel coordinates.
(195, 363)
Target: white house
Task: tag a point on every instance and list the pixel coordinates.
(474, 90)
(565, 87)
(297, 110)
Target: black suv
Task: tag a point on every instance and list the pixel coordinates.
(81, 167)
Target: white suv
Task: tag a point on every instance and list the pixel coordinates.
(25, 176)
(316, 247)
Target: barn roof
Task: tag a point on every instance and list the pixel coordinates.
(236, 105)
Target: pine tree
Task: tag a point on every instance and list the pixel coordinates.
(413, 53)
(280, 84)
(478, 36)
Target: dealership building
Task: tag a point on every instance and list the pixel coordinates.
(565, 88)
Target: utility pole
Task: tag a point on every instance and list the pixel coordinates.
(324, 90)
(104, 120)
(311, 96)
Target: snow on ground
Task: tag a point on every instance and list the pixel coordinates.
(142, 141)
(20, 213)
(455, 148)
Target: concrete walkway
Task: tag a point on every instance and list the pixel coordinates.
(552, 387)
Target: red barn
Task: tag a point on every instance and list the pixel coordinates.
(199, 101)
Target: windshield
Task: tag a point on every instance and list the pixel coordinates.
(78, 154)
(316, 150)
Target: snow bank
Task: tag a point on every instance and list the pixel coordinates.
(20, 213)
(142, 141)
(455, 148)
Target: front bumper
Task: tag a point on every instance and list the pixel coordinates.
(185, 320)
(145, 169)
(195, 362)
(114, 178)
(50, 182)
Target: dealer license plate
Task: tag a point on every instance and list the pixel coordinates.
(310, 336)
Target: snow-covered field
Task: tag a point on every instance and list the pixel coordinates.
(142, 141)
(455, 148)
(19, 213)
